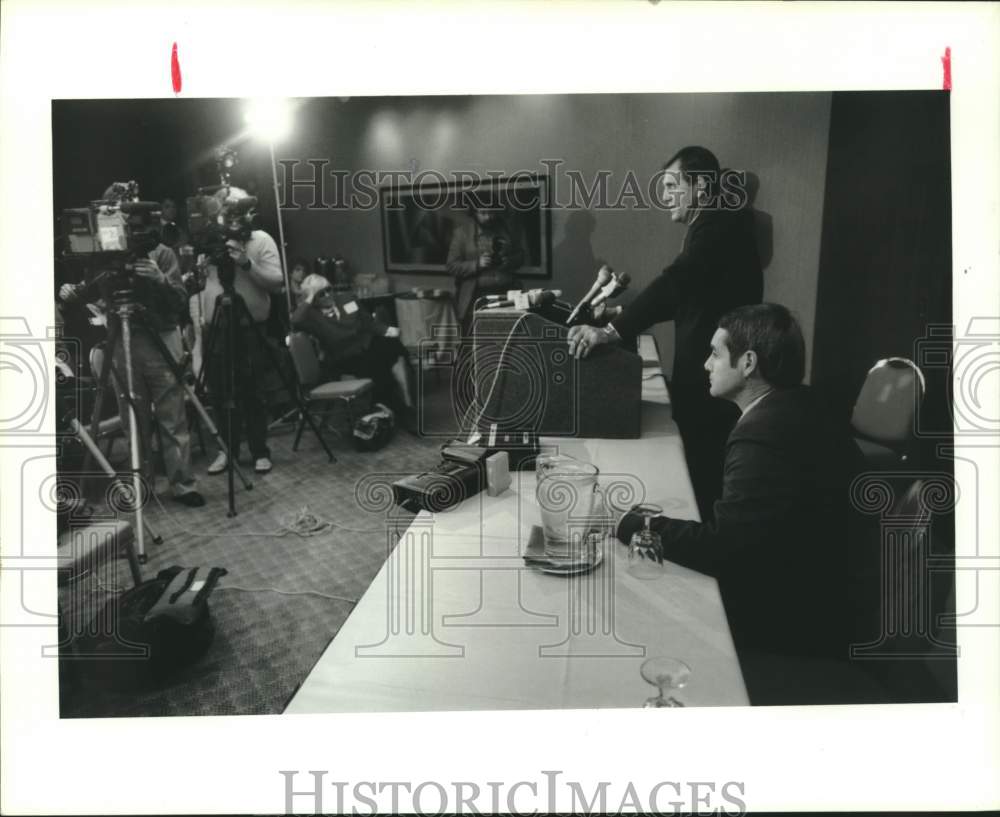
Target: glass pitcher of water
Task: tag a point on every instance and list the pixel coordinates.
(571, 506)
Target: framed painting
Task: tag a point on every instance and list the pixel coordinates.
(420, 223)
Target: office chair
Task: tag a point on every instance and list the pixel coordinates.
(312, 392)
(885, 409)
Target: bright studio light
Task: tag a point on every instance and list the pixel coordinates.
(269, 119)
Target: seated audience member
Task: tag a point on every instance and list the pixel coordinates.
(354, 342)
(779, 541)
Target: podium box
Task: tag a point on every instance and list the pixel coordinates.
(528, 382)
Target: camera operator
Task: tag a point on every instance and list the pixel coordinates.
(256, 269)
(156, 285)
(484, 255)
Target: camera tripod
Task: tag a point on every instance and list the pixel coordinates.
(125, 307)
(230, 314)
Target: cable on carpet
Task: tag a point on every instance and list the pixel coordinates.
(303, 523)
(281, 592)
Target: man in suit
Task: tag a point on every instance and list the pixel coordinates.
(718, 269)
(778, 542)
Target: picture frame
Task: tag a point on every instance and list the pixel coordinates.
(419, 221)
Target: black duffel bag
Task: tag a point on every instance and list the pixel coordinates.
(151, 630)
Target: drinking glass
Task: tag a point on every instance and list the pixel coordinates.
(566, 492)
(645, 549)
(665, 674)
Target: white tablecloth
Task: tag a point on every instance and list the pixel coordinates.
(455, 621)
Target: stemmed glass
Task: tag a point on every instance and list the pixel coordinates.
(645, 549)
(665, 674)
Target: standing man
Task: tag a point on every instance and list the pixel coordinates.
(778, 544)
(484, 255)
(718, 269)
(257, 273)
(159, 290)
(175, 234)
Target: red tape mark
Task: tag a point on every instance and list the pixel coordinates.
(175, 70)
(946, 65)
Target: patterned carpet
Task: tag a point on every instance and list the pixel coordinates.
(266, 640)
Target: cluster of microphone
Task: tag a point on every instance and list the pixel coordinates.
(609, 284)
(524, 299)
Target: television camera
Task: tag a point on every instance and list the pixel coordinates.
(113, 232)
(217, 215)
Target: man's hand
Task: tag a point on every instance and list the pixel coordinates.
(486, 260)
(148, 269)
(238, 252)
(604, 314)
(582, 339)
(67, 293)
(392, 332)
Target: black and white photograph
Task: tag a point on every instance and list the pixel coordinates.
(490, 410)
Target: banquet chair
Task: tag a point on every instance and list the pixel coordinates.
(316, 394)
(884, 412)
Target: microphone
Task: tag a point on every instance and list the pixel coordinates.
(604, 277)
(535, 297)
(616, 286)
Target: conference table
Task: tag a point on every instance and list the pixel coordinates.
(455, 620)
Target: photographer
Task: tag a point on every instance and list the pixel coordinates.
(485, 253)
(255, 267)
(155, 284)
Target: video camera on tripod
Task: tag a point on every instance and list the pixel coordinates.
(114, 232)
(217, 215)
(213, 223)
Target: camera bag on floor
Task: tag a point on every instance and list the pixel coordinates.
(374, 430)
(151, 630)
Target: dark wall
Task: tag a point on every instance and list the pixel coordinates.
(885, 272)
(778, 137)
(167, 146)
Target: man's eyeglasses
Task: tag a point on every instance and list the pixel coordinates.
(324, 292)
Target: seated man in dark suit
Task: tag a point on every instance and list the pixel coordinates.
(355, 342)
(778, 543)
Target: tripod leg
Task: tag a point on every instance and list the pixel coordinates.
(208, 348)
(286, 417)
(298, 433)
(140, 532)
(230, 398)
(102, 385)
(105, 466)
(198, 406)
(291, 385)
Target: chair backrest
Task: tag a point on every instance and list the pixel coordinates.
(888, 401)
(304, 358)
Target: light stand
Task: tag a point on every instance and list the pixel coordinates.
(281, 233)
(270, 120)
